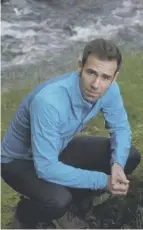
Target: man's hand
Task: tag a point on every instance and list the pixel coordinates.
(118, 175)
(117, 182)
(118, 188)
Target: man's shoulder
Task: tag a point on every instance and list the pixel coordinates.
(113, 92)
(58, 85)
(114, 88)
(56, 91)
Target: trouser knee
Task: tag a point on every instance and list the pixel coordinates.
(43, 210)
(60, 200)
(133, 160)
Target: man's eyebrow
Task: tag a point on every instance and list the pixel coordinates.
(106, 75)
(93, 71)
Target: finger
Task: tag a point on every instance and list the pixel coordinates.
(119, 192)
(114, 180)
(123, 182)
(120, 187)
(123, 178)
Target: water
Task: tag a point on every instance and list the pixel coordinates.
(44, 38)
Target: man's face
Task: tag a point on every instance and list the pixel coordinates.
(95, 77)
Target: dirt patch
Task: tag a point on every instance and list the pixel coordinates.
(119, 212)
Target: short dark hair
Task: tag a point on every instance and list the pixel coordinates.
(104, 50)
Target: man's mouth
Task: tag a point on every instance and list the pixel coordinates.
(93, 93)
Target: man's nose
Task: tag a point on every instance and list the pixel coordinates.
(96, 83)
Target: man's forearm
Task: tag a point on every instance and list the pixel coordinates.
(72, 177)
(120, 146)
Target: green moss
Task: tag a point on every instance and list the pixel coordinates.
(131, 82)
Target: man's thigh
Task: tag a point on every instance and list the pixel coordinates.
(88, 152)
(21, 176)
(94, 153)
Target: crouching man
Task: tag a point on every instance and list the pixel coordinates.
(43, 160)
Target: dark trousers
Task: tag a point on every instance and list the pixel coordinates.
(48, 200)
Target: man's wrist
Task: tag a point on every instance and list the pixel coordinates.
(116, 163)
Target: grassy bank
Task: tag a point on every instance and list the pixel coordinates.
(131, 82)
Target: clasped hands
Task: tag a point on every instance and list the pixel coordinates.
(118, 184)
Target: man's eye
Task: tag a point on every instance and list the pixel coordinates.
(91, 73)
(106, 77)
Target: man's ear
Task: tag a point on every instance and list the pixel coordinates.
(80, 65)
(115, 77)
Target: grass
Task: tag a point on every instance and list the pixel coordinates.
(131, 83)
